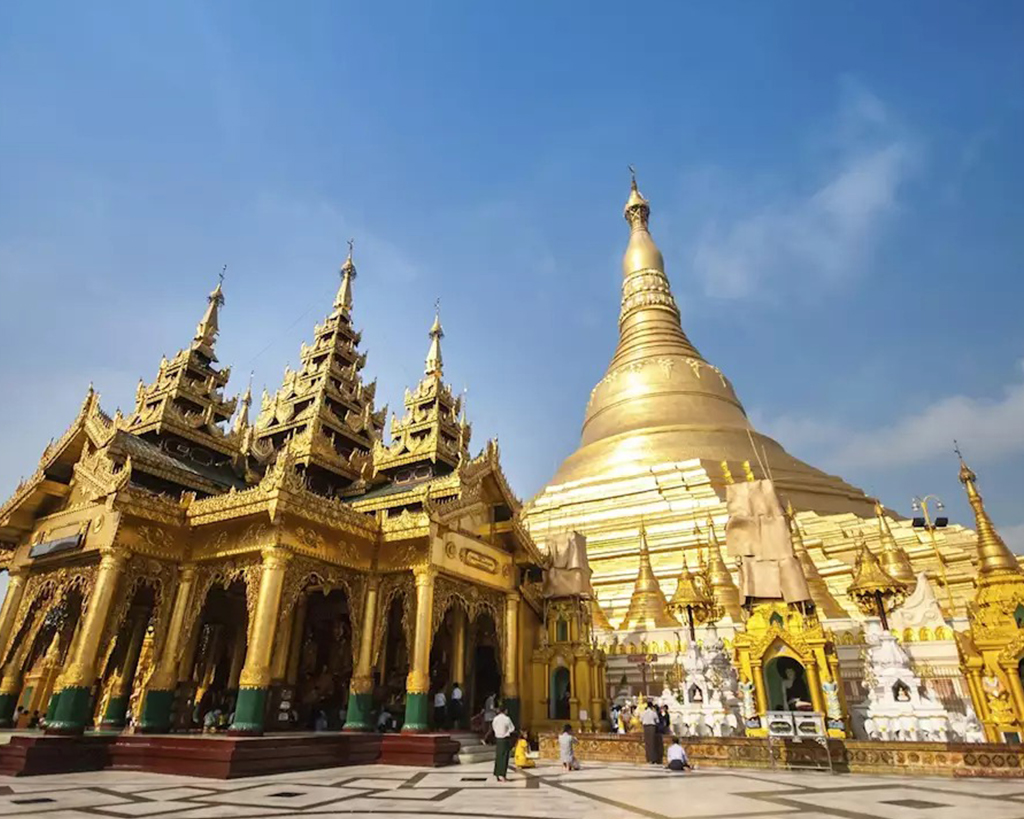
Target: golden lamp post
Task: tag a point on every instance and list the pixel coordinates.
(924, 520)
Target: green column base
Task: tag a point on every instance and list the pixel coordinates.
(249, 712)
(51, 707)
(70, 711)
(512, 708)
(114, 717)
(416, 713)
(360, 708)
(8, 702)
(156, 712)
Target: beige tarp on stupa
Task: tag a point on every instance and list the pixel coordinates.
(757, 533)
(570, 571)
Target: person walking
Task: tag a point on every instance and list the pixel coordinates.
(567, 749)
(489, 712)
(440, 703)
(503, 727)
(649, 720)
(455, 706)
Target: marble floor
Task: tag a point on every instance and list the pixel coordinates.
(599, 791)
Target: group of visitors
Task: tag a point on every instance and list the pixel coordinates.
(22, 719)
(448, 711)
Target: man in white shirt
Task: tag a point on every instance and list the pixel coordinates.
(503, 729)
(677, 760)
(455, 706)
(652, 744)
(440, 702)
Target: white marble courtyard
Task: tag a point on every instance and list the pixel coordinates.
(599, 791)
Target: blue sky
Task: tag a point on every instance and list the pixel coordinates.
(836, 188)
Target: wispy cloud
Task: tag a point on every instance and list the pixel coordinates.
(992, 428)
(827, 232)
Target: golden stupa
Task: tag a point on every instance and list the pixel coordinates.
(664, 432)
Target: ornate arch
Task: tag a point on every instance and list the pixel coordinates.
(391, 587)
(474, 600)
(247, 568)
(303, 572)
(798, 647)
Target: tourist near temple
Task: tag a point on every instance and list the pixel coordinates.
(200, 564)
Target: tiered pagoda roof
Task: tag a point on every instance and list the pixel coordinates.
(431, 439)
(324, 409)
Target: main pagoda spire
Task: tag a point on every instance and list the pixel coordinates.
(660, 401)
(323, 411)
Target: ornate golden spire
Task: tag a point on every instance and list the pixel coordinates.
(994, 557)
(208, 327)
(894, 559)
(727, 595)
(434, 364)
(597, 616)
(868, 576)
(242, 418)
(431, 433)
(647, 607)
(343, 301)
(821, 596)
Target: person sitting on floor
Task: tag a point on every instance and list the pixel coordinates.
(523, 754)
(677, 759)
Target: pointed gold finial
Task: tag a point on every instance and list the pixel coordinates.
(208, 327)
(343, 301)
(242, 419)
(894, 559)
(723, 587)
(647, 607)
(993, 555)
(434, 363)
(875, 591)
(638, 209)
(821, 595)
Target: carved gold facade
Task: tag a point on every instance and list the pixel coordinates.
(172, 567)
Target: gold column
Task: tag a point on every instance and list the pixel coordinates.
(81, 671)
(510, 681)
(814, 684)
(256, 671)
(417, 684)
(298, 630)
(757, 672)
(1016, 691)
(282, 647)
(165, 677)
(418, 681)
(459, 648)
(362, 675)
(9, 611)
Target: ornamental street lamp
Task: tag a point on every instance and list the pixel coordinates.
(693, 598)
(923, 520)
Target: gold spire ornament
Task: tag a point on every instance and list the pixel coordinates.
(209, 326)
(343, 301)
(434, 363)
(723, 587)
(893, 558)
(692, 602)
(874, 590)
(598, 617)
(821, 596)
(994, 558)
(647, 607)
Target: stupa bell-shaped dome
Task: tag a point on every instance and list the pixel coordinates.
(661, 402)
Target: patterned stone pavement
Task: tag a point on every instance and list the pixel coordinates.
(599, 791)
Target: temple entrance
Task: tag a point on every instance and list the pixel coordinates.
(483, 675)
(126, 662)
(325, 662)
(393, 664)
(46, 647)
(559, 694)
(441, 650)
(786, 681)
(213, 661)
